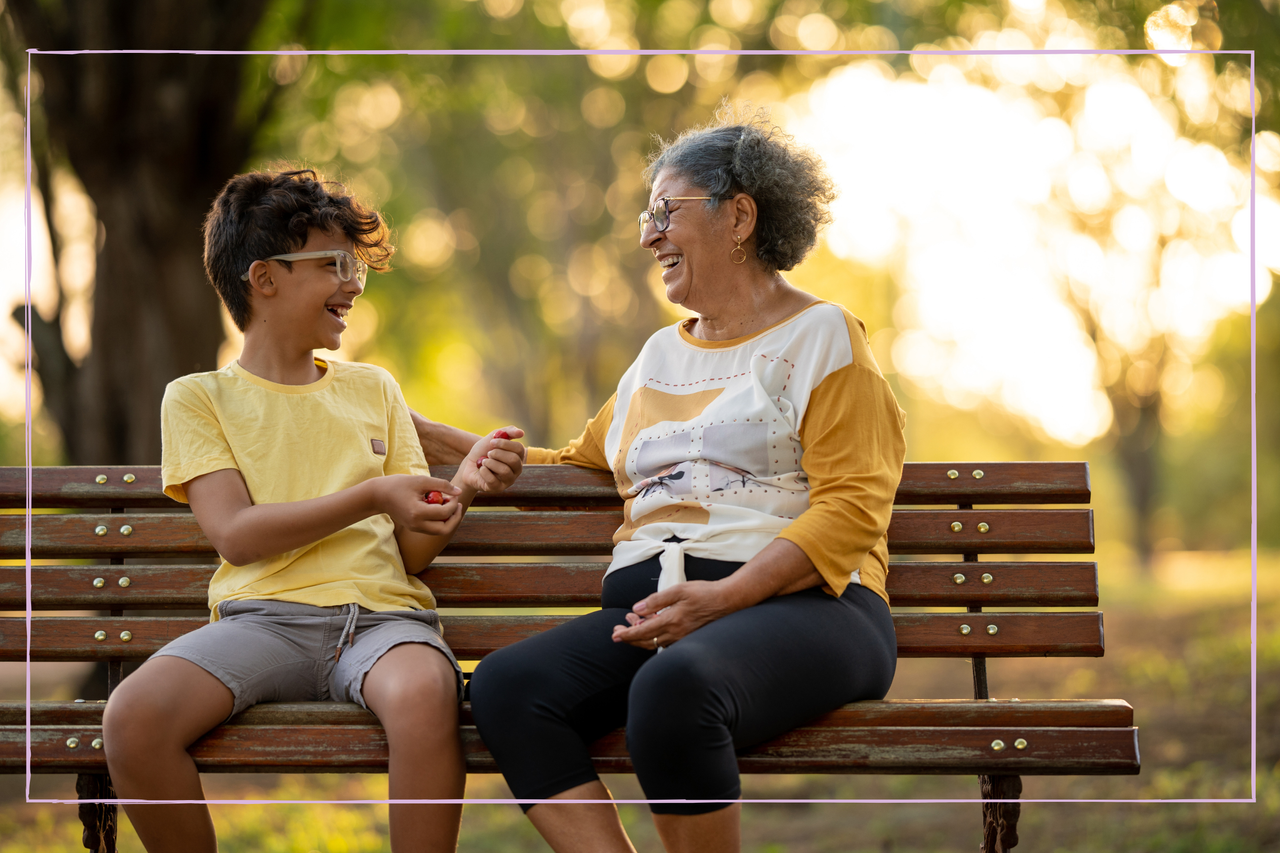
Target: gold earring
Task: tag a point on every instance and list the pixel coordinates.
(733, 253)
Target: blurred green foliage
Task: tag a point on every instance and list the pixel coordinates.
(1206, 494)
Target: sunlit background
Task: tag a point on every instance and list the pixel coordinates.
(1071, 231)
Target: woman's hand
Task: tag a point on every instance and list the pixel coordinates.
(664, 617)
(494, 461)
(674, 613)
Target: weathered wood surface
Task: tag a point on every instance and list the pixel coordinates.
(889, 750)
(499, 534)
(923, 483)
(1043, 584)
(71, 638)
(937, 736)
(259, 743)
(1075, 713)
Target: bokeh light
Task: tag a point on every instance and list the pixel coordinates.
(1039, 244)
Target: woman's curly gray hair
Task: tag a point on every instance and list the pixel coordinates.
(741, 152)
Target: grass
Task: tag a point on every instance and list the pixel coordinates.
(1178, 650)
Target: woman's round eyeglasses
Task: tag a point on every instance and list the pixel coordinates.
(347, 265)
(660, 214)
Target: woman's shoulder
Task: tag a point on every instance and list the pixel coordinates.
(832, 318)
(836, 332)
(662, 339)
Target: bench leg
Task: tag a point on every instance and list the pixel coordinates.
(99, 819)
(1000, 820)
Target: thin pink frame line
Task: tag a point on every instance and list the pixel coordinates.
(1253, 535)
(27, 263)
(1253, 436)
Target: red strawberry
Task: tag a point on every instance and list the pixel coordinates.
(503, 434)
(434, 498)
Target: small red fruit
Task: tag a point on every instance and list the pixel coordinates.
(503, 434)
(434, 498)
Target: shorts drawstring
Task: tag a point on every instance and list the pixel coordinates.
(348, 630)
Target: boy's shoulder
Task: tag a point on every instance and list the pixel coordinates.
(359, 370)
(205, 381)
(363, 379)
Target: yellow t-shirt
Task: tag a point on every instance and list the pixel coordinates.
(293, 443)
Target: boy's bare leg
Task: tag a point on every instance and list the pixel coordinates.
(582, 827)
(413, 691)
(150, 720)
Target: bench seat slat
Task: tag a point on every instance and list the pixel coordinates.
(1041, 531)
(1052, 584)
(923, 483)
(69, 638)
(1073, 713)
(809, 749)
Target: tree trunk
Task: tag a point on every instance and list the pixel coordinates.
(152, 138)
(1138, 448)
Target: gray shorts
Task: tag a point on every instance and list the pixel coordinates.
(279, 651)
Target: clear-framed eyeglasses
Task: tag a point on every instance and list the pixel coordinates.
(347, 265)
(660, 213)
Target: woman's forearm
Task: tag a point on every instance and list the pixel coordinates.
(442, 444)
(781, 568)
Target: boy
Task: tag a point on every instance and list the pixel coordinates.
(307, 477)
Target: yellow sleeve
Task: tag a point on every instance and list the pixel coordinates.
(191, 438)
(585, 451)
(854, 447)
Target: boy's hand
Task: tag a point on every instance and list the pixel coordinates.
(494, 462)
(404, 498)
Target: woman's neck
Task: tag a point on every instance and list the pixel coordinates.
(752, 305)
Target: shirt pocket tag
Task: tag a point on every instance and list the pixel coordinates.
(378, 447)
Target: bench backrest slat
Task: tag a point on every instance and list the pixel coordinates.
(1058, 584)
(1010, 531)
(55, 638)
(923, 484)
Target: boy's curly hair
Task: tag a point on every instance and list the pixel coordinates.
(742, 151)
(260, 214)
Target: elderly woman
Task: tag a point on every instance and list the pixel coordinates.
(758, 449)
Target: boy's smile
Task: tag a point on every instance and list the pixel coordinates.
(315, 300)
(300, 306)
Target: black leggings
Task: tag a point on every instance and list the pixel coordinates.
(733, 683)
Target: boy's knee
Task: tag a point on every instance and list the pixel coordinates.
(133, 724)
(429, 687)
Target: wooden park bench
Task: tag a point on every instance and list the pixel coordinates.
(111, 529)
